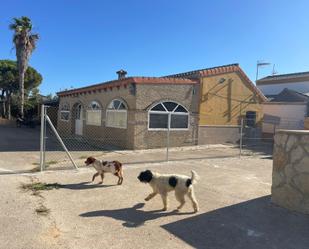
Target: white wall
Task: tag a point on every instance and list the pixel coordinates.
(272, 89)
(292, 116)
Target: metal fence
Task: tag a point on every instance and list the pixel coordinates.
(135, 143)
(67, 141)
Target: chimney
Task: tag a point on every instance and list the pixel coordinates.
(121, 74)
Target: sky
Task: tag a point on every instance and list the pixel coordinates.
(86, 42)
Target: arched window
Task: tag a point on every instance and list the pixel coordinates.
(168, 115)
(94, 114)
(65, 112)
(116, 114)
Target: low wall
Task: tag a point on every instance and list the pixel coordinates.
(306, 123)
(290, 178)
(218, 134)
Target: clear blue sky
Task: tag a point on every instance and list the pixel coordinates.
(85, 42)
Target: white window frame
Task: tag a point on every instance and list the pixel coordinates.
(117, 111)
(169, 114)
(65, 111)
(91, 110)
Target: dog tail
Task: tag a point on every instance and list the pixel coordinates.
(194, 176)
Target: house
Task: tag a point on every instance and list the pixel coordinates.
(138, 112)
(226, 96)
(274, 84)
(287, 110)
(287, 106)
(132, 112)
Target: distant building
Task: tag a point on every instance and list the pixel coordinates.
(287, 110)
(273, 85)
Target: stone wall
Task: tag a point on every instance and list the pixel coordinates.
(290, 179)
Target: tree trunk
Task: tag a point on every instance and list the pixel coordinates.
(9, 106)
(23, 51)
(21, 92)
(3, 114)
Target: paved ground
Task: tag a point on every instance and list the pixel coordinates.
(235, 210)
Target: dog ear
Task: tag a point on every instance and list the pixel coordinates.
(145, 176)
(149, 175)
(90, 160)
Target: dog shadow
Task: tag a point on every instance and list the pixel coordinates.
(84, 185)
(132, 217)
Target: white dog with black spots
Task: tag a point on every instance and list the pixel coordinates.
(164, 183)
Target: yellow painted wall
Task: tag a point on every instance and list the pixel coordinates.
(224, 103)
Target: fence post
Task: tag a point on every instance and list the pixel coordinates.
(45, 137)
(42, 137)
(168, 137)
(241, 131)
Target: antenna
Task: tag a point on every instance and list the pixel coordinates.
(260, 64)
(274, 72)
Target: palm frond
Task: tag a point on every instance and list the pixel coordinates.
(20, 24)
(33, 39)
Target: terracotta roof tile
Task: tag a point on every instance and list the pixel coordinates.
(222, 70)
(123, 82)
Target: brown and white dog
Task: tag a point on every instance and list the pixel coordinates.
(163, 183)
(103, 167)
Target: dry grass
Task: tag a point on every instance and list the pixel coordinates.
(38, 186)
(42, 210)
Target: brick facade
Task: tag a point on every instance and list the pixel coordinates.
(139, 99)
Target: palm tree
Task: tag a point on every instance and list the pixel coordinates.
(25, 42)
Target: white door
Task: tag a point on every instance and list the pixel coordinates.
(79, 120)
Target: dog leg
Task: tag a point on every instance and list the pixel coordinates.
(164, 199)
(120, 180)
(150, 196)
(95, 175)
(181, 198)
(120, 177)
(192, 197)
(102, 177)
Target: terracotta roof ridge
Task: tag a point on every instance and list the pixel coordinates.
(216, 68)
(105, 83)
(253, 86)
(131, 79)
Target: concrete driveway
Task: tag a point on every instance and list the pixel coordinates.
(233, 193)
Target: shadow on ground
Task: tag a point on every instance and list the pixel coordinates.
(84, 185)
(252, 224)
(257, 147)
(132, 217)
